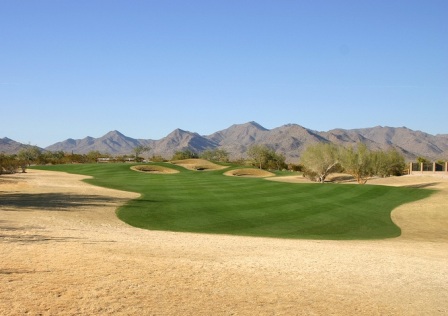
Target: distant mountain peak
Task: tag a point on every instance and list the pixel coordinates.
(10, 146)
(289, 139)
(114, 133)
(256, 125)
(179, 132)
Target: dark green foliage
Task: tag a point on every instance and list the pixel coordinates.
(184, 154)
(264, 157)
(208, 202)
(215, 155)
(9, 163)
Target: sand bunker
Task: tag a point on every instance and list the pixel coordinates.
(334, 177)
(198, 164)
(64, 252)
(154, 169)
(249, 172)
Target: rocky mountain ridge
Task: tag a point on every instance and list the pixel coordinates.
(289, 139)
(9, 146)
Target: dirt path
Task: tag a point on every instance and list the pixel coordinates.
(63, 252)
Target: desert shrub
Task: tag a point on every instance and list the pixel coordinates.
(310, 174)
(158, 158)
(184, 154)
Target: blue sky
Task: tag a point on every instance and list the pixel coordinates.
(71, 69)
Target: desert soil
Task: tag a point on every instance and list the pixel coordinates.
(64, 252)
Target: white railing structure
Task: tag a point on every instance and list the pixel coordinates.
(431, 168)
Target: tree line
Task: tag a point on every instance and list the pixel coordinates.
(322, 159)
(317, 162)
(33, 155)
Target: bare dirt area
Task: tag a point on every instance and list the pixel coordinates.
(64, 252)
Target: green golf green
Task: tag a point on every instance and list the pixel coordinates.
(209, 202)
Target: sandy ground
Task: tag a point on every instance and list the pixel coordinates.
(198, 164)
(248, 172)
(154, 169)
(63, 252)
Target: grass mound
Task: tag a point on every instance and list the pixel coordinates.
(208, 202)
(198, 164)
(249, 172)
(154, 169)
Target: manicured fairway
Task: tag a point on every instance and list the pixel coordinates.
(208, 202)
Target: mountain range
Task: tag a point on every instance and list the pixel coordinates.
(290, 140)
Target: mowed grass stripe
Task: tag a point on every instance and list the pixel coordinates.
(209, 202)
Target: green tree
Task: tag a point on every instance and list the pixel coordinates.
(388, 163)
(184, 154)
(92, 156)
(275, 161)
(422, 160)
(8, 163)
(139, 150)
(320, 160)
(29, 155)
(358, 161)
(259, 155)
(215, 155)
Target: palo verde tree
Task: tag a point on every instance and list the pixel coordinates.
(387, 163)
(184, 154)
(320, 160)
(29, 155)
(276, 161)
(215, 155)
(266, 158)
(258, 154)
(358, 161)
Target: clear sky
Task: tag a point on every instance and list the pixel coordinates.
(71, 69)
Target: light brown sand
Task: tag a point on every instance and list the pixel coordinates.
(63, 252)
(198, 164)
(154, 169)
(249, 172)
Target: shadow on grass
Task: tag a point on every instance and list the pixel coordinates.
(421, 185)
(52, 201)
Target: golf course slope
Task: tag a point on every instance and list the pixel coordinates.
(64, 252)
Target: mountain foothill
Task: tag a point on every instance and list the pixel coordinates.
(289, 140)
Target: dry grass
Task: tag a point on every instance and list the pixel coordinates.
(154, 169)
(198, 164)
(74, 257)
